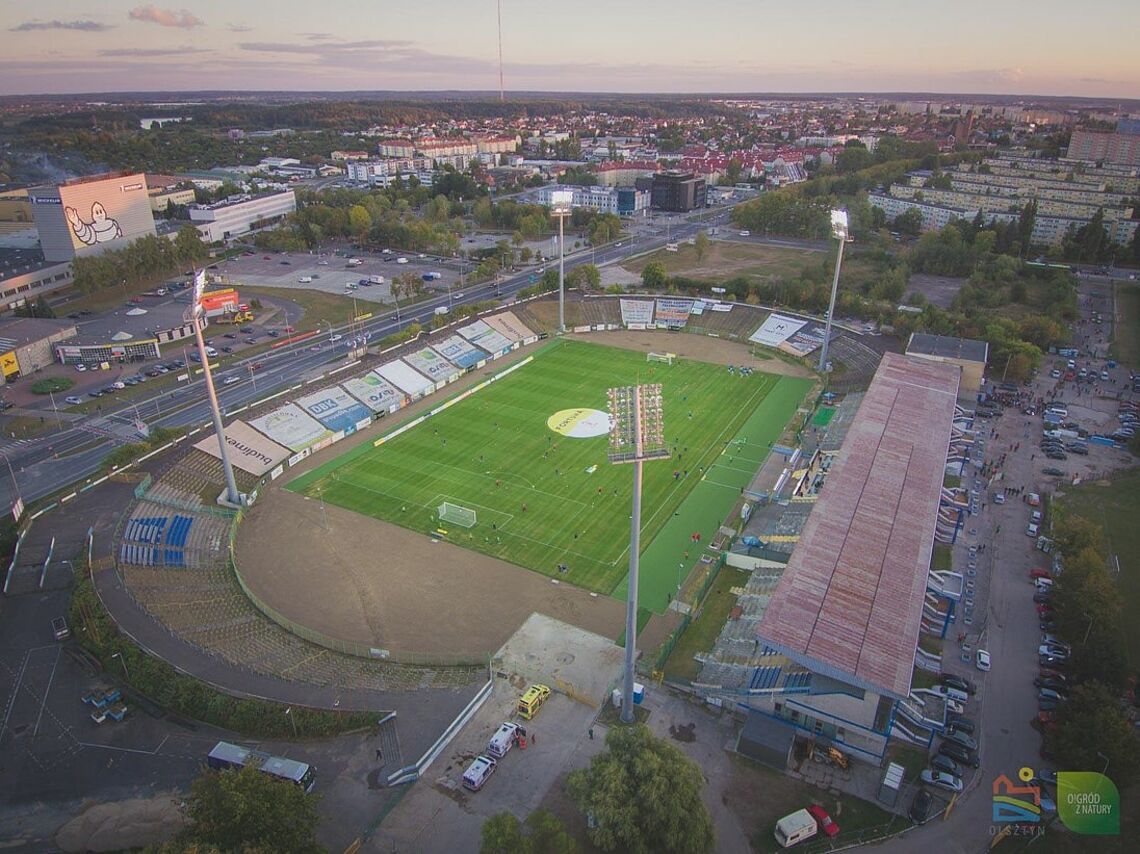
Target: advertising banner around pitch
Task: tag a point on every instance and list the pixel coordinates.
(431, 364)
(373, 391)
(248, 450)
(292, 427)
(510, 326)
(335, 408)
(776, 330)
(484, 337)
(459, 350)
(402, 376)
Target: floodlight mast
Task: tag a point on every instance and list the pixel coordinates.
(637, 434)
(561, 206)
(196, 316)
(838, 229)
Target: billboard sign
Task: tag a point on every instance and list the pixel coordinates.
(561, 201)
(106, 213)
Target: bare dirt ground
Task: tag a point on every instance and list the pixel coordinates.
(940, 290)
(369, 582)
(701, 348)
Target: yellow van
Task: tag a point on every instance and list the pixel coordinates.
(531, 701)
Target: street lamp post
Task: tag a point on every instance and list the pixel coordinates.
(838, 229)
(560, 206)
(119, 656)
(15, 485)
(289, 714)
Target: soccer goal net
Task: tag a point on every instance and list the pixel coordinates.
(667, 358)
(456, 515)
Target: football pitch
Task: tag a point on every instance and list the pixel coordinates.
(528, 455)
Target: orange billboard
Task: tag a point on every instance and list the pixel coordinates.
(217, 302)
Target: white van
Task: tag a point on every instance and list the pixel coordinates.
(795, 828)
(478, 772)
(304, 280)
(948, 693)
(503, 740)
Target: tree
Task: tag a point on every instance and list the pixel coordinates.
(702, 245)
(1092, 728)
(359, 221)
(585, 277)
(241, 810)
(644, 796)
(542, 833)
(654, 276)
(909, 222)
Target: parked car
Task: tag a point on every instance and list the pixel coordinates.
(826, 826)
(982, 660)
(1051, 660)
(1042, 598)
(1053, 651)
(959, 722)
(73, 400)
(946, 765)
(959, 753)
(962, 738)
(1034, 574)
(1046, 705)
(1052, 674)
(955, 681)
(1049, 694)
(919, 810)
(1053, 472)
(942, 781)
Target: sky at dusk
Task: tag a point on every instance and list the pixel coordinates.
(1046, 47)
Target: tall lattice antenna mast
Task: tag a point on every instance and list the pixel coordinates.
(499, 9)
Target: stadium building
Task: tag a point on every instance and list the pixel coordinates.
(833, 651)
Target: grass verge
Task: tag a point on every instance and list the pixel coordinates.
(703, 631)
(1116, 507)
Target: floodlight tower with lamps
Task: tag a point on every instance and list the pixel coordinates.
(561, 207)
(838, 229)
(195, 315)
(637, 434)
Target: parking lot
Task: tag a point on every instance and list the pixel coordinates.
(332, 274)
(440, 814)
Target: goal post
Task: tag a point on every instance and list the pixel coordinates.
(667, 358)
(456, 514)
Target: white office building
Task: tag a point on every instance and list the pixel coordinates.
(239, 215)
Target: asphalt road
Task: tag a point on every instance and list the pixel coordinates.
(48, 464)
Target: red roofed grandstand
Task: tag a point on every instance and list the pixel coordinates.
(850, 602)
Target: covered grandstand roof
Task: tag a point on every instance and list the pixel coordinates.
(941, 346)
(850, 602)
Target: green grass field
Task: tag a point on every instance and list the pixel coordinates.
(544, 498)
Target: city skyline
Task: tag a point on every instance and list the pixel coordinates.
(723, 46)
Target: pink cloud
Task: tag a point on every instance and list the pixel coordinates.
(151, 14)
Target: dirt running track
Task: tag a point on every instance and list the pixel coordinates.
(369, 582)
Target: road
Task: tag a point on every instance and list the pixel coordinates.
(48, 464)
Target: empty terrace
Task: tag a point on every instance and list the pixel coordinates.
(850, 602)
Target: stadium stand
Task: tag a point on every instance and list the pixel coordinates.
(860, 361)
(601, 311)
(173, 559)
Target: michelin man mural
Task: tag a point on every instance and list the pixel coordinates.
(101, 229)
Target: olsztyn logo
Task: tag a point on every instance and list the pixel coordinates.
(1016, 804)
